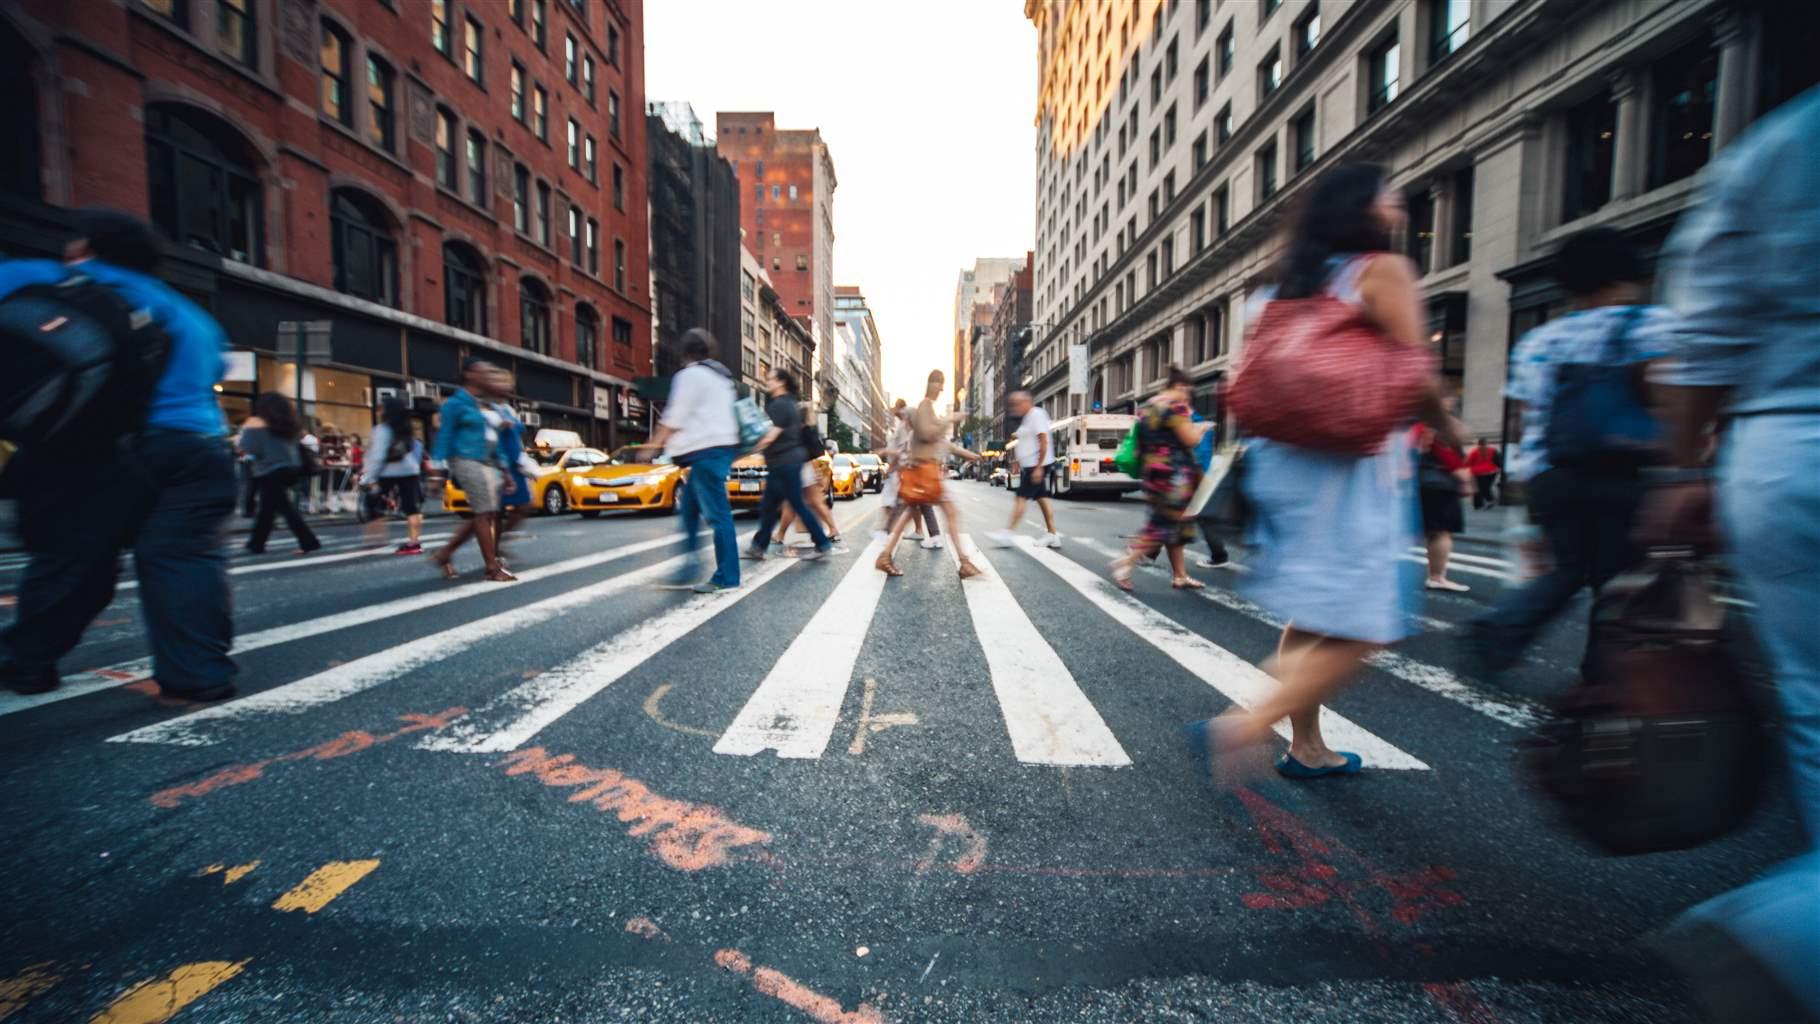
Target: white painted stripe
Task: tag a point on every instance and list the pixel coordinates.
(1049, 719)
(1240, 681)
(78, 684)
(306, 561)
(794, 710)
(1461, 556)
(1507, 708)
(510, 720)
(209, 725)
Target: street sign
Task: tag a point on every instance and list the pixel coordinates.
(1077, 370)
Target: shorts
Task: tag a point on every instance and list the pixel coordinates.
(481, 482)
(1030, 488)
(406, 490)
(811, 479)
(1441, 512)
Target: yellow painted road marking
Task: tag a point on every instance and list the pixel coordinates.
(25, 986)
(652, 712)
(233, 874)
(159, 999)
(324, 884)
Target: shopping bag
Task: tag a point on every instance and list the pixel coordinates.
(1126, 458)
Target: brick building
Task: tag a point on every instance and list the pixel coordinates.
(787, 208)
(695, 243)
(1011, 317)
(435, 178)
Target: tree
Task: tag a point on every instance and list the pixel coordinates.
(841, 434)
(978, 432)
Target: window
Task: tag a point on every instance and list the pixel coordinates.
(473, 37)
(1156, 87)
(1462, 215)
(777, 191)
(570, 65)
(533, 315)
(1156, 147)
(1270, 74)
(518, 92)
(588, 165)
(613, 44)
(747, 287)
(793, 193)
(1307, 32)
(234, 34)
(439, 27)
(365, 256)
(1268, 8)
(612, 113)
(537, 25)
(335, 49)
(574, 145)
(1267, 170)
(382, 124)
(745, 323)
(178, 11)
(1203, 13)
(622, 329)
(477, 167)
(1449, 26)
(1170, 65)
(619, 187)
(464, 288)
(619, 276)
(802, 262)
(587, 337)
(540, 215)
(1302, 132)
(1203, 82)
(587, 77)
(1169, 127)
(575, 255)
(1222, 124)
(445, 149)
(540, 112)
(521, 199)
(1200, 151)
(592, 244)
(1226, 51)
(1419, 243)
(516, 10)
(1683, 89)
(1222, 209)
(1592, 132)
(1383, 66)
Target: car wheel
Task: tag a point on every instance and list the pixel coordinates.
(555, 502)
(592, 513)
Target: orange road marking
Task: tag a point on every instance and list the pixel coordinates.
(787, 990)
(686, 836)
(655, 715)
(341, 746)
(27, 985)
(159, 999)
(233, 874)
(953, 825)
(645, 928)
(322, 885)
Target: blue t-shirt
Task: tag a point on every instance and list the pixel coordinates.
(184, 398)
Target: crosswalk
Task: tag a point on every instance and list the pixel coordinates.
(1045, 714)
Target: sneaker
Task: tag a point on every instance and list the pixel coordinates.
(1208, 563)
(840, 549)
(913, 535)
(27, 682)
(813, 555)
(410, 547)
(204, 694)
(1003, 538)
(932, 544)
(1050, 540)
(753, 554)
(710, 587)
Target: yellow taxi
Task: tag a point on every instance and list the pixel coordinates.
(746, 480)
(849, 476)
(589, 481)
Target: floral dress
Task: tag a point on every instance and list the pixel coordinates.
(1169, 472)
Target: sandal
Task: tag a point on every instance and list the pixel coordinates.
(887, 566)
(500, 574)
(1121, 574)
(441, 561)
(969, 570)
(1188, 583)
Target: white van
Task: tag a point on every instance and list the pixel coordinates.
(1082, 448)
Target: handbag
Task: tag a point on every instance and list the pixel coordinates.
(1662, 747)
(1225, 513)
(920, 483)
(1315, 374)
(1597, 419)
(1126, 458)
(752, 421)
(1432, 476)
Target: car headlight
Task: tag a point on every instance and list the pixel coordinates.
(595, 481)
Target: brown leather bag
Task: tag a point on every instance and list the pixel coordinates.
(920, 484)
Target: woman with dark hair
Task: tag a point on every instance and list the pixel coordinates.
(393, 466)
(270, 437)
(467, 441)
(1330, 529)
(785, 456)
(1167, 440)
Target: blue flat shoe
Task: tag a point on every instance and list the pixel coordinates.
(1199, 737)
(1290, 768)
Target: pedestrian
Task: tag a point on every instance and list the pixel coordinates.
(1442, 479)
(1031, 452)
(1329, 529)
(1585, 504)
(174, 467)
(896, 453)
(1217, 555)
(699, 431)
(243, 468)
(516, 466)
(310, 444)
(395, 469)
(814, 495)
(271, 436)
(1744, 279)
(1482, 463)
(784, 455)
(332, 473)
(921, 478)
(467, 442)
(1167, 440)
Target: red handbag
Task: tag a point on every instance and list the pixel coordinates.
(1316, 375)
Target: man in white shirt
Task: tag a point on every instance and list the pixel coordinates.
(698, 430)
(1032, 455)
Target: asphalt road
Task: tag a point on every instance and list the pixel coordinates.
(823, 797)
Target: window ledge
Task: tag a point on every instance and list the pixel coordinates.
(1665, 201)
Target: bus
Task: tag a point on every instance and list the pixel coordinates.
(1081, 450)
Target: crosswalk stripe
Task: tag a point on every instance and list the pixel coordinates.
(202, 728)
(794, 710)
(1507, 708)
(514, 717)
(1240, 681)
(300, 561)
(1462, 556)
(1049, 719)
(77, 684)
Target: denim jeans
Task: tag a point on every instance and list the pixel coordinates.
(705, 497)
(1769, 507)
(168, 498)
(784, 482)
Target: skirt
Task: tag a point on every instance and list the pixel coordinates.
(480, 481)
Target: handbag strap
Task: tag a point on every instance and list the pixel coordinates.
(1610, 351)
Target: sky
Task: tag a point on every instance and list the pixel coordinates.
(927, 109)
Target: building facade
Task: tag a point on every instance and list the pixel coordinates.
(1173, 137)
(434, 179)
(696, 255)
(1011, 329)
(864, 371)
(787, 188)
(972, 290)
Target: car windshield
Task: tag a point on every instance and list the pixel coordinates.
(1106, 439)
(867, 460)
(630, 456)
(844, 460)
(545, 456)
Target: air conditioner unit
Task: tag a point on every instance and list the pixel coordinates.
(366, 397)
(533, 419)
(423, 389)
(381, 394)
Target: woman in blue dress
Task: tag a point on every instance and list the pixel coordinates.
(1330, 530)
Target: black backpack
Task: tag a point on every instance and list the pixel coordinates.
(82, 363)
